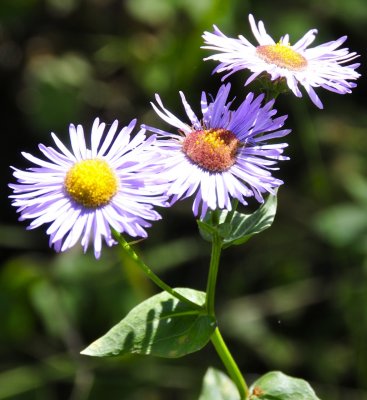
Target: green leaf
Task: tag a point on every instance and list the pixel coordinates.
(236, 228)
(244, 226)
(277, 386)
(206, 230)
(161, 326)
(218, 386)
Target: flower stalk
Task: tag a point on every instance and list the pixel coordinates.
(216, 338)
(213, 273)
(230, 364)
(150, 274)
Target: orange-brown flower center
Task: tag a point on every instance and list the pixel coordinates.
(214, 149)
(282, 56)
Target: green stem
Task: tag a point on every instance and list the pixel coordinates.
(151, 275)
(216, 337)
(213, 273)
(230, 364)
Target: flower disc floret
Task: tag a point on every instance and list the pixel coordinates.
(91, 183)
(282, 56)
(225, 154)
(84, 193)
(212, 149)
(326, 65)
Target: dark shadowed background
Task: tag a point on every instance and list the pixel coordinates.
(293, 298)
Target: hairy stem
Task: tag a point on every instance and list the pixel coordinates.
(216, 337)
(230, 364)
(150, 274)
(213, 273)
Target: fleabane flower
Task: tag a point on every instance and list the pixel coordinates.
(85, 192)
(225, 154)
(321, 66)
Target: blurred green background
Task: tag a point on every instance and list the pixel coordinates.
(293, 299)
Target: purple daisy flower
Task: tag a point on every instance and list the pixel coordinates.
(320, 66)
(84, 192)
(225, 154)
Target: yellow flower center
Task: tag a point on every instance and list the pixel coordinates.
(91, 183)
(213, 149)
(282, 56)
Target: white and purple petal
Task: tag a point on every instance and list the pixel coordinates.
(253, 124)
(40, 195)
(325, 64)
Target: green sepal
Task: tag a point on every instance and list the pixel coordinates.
(236, 228)
(206, 229)
(277, 386)
(161, 326)
(218, 386)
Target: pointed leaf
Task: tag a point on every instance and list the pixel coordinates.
(244, 226)
(277, 386)
(161, 326)
(236, 228)
(206, 230)
(218, 386)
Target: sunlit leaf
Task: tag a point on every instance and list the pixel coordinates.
(236, 228)
(218, 386)
(277, 386)
(160, 326)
